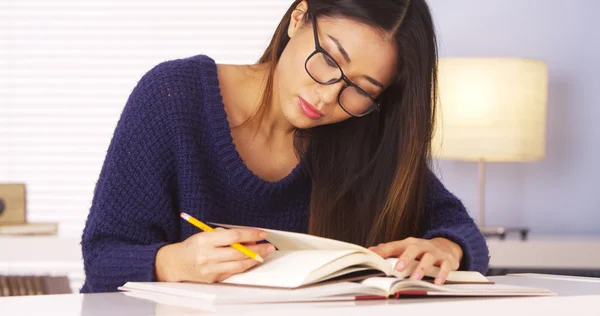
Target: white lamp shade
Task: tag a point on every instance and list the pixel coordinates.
(491, 109)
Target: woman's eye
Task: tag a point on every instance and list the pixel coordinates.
(363, 92)
(329, 61)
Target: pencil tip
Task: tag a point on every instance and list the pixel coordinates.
(259, 258)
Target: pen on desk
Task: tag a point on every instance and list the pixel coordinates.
(190, 219)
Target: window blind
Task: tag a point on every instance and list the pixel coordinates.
(67, 68)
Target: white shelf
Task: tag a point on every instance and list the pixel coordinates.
(42, 255)
(546, 252)
(40, 248)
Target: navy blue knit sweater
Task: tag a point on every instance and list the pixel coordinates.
(172, 151)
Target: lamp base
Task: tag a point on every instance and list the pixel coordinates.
(501, 232)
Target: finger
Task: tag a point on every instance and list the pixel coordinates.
(230, 254)
(394, 248)
(227, 237)
(425, 263)
(224, 277)
(390, 249)
(443, 274)
(410, 253)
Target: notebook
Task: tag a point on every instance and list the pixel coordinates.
(370, 288)
(308, 268)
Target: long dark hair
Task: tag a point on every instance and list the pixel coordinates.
(369, 174)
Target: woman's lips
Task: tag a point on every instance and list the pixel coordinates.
(309, 110)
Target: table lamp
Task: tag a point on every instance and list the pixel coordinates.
(491, 110)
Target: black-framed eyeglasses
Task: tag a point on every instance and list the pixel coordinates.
(322, 68)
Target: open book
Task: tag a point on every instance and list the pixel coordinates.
(308, 268)
(303, 259)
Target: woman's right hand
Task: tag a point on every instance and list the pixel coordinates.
(207, 257)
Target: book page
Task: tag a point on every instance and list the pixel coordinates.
(467, 289)
(349, 263)
(287, 269)
(492, 288)
(385, 284)
(296, 241)
(393, 285)
(284, 240)
(199, 293)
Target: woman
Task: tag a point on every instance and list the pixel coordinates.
(329, 134)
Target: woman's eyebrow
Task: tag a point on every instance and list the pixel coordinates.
(375, 82)
(341, 48)
(347, 58)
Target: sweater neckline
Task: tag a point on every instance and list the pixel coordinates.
(237, 171)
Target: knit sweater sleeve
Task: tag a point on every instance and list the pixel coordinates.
(132, 208)
(447, 217)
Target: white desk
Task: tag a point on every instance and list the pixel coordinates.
(62, 256)
(576, 295)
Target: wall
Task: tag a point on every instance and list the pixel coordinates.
(560, 193)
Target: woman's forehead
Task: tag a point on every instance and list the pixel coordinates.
(369, 48)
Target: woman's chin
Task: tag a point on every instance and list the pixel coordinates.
(302, 122)
(299, 120)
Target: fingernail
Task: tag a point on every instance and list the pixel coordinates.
(263, 235)
(400, 265)
(416, 276)
(270, 249)
(439, 280)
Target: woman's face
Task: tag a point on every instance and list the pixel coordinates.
(364, 55)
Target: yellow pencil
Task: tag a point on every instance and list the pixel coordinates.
(207, 228)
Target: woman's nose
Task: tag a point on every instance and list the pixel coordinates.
(328, 94)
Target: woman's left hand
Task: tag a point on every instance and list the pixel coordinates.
(439, 252)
